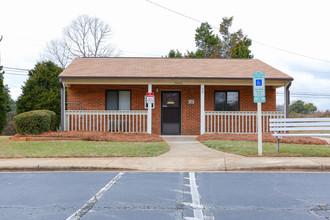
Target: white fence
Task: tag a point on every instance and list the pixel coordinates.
(237, 122)
(108, 120)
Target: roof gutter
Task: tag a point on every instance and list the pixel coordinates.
(202, 78)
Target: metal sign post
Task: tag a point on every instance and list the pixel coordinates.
(259, 96)
(259, 130)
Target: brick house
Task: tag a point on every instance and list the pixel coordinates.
(192, 96)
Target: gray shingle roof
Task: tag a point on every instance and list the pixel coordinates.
(119, 67)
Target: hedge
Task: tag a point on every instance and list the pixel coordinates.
(53, 119)
(35, 122)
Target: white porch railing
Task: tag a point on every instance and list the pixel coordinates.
(237, 122)
(107, 120)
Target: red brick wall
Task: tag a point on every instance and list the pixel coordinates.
(92, 97)
(245, 97)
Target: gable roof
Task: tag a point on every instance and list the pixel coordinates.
(120, 67)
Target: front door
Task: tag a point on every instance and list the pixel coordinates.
(171, 113)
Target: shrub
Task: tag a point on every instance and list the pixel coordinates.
(53, 119)
(33, 122)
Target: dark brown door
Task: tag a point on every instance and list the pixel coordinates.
(171, 113)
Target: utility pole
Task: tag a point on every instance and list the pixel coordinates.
(0, 48)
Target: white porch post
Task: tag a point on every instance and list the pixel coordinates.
(286, 99)
(202, 110)
(149, 121)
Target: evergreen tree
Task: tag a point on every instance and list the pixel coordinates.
(198, 54)
(227, 45)
(210, 45)
(233, 45)
(9, 106)
(4, 100)
(206, 41)
(41, 90)
(174, 54)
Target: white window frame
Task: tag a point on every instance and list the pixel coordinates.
(118, 99)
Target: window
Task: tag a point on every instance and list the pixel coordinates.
(118, 100)
(226, 101)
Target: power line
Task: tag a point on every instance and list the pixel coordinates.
(304, 93)
(258, 42)
(287, 51)
(15, 71)
(168, 9)
(17, 74)
(307, 95)
(301, 96)
(13, 68)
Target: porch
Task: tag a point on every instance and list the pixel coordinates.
(136, 121)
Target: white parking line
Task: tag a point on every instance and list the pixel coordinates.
(198, 212)
(89, 205)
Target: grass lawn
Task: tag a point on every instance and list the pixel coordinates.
(250, 149)
(13, 149)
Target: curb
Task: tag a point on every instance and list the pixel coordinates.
(317, 168)
(62, 168)
(282, 168)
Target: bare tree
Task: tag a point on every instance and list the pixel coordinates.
(84, 37)
(57, 52)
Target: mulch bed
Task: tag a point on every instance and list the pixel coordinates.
(101, 136)
(265, 138)
(142, 137)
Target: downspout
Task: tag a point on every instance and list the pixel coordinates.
(287, 99)
(62, 105)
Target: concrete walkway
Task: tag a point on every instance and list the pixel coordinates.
(185, 154)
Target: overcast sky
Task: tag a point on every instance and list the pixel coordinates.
(142, 29)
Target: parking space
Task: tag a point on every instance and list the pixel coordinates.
(264, 195)
(130, 195)
(142, 196)
(47, 195)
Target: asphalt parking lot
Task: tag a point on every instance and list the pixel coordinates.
(179, 195)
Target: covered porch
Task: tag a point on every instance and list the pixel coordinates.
(197, 114)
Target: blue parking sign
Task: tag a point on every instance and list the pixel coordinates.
(259, 92)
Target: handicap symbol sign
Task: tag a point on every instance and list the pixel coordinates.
(259, 82)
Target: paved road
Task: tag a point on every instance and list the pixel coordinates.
(113, 195)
